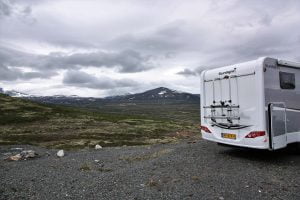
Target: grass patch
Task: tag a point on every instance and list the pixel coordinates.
(101, 169)
(85, 167)
(152, 183)
(88, 167)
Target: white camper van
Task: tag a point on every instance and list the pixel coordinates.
(254, 104)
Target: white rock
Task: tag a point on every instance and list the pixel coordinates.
(60, 153)
(98, 146)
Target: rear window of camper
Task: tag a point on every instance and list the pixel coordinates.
(287, 80)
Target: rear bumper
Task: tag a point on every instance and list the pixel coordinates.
(256, 143)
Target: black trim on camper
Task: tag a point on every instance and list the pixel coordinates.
(270, 126)
(229, 126)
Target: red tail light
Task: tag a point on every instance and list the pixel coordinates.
(255, 134)
(204, 128)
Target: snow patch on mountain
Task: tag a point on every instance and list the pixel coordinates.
(162, 92)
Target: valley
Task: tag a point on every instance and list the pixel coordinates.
(108, 122)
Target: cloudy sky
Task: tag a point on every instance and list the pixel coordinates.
(108, 47)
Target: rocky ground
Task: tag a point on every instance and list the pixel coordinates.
(187, 170)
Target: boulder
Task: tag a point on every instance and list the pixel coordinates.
(15, 157)
(60, 153)
(98, 146)
(24, 155)
(28, 154)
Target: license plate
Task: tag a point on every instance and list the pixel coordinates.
(229, 136)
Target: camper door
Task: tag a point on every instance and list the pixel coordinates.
(278, 135)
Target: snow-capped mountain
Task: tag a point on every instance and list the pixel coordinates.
(157, 95)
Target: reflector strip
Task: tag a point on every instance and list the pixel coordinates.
(255, 134)
(204, 128)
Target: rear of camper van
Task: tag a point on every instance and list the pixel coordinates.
(233, 105)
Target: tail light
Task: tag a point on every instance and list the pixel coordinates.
(255, 134)
(204, 128)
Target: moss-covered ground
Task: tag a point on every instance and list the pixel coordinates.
(26, 122)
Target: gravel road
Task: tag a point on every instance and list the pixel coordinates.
(200, 170)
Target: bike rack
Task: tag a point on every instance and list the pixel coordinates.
(226, 106)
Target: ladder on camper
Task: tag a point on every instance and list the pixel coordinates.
(224, 113)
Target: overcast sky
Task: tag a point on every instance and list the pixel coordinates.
(108, 47)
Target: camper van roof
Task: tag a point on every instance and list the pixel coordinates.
(289, 63)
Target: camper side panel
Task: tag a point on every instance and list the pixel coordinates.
(279, 88)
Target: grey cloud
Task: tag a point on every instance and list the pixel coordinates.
(266, 19)
(168, 37)
(82, 79)
(209, 35)
(9, 8)
(236, 38)
(27, 10)
(12, 74)
(127, 61)
(11, 62)
(187, 72)
(7, 74)
(32, 75)
(195, 72)
(201, 33)
(5, 8)
(71, 43)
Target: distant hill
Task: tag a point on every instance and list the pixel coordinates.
(159, 95)
(67, 100)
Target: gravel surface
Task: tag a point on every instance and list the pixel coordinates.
(200, 170)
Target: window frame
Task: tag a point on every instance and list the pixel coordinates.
(291, 85)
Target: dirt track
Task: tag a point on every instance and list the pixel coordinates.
(200, 170)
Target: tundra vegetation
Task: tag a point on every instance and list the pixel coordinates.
(56, 126)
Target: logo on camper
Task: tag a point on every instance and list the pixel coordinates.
(227, 72)
(270, 66)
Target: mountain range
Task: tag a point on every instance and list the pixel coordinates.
(158, 95)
